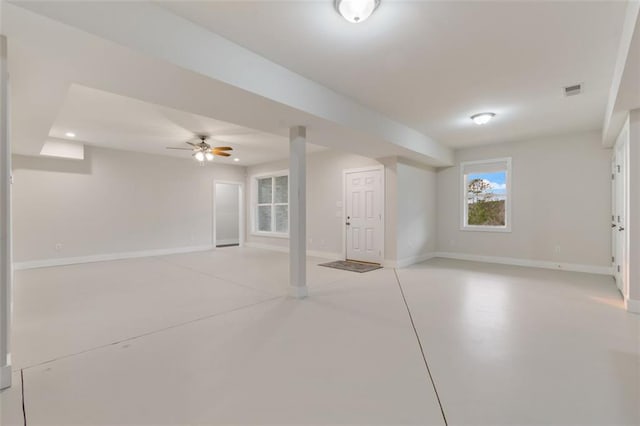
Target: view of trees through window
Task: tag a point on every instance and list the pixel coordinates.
(486, 198)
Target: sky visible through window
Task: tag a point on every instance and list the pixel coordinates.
(497, 180)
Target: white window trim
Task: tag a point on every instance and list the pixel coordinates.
(254, 205)
(463, 198)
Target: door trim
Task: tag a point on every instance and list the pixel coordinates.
(621, 150)
(241, 212)
(345, 172)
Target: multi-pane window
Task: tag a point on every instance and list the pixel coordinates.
(272, 204)
(486, 193)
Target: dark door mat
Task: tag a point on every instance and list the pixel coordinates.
(349, 265)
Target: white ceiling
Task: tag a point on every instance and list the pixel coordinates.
(63, 44)
(431, 65)
(105, 119)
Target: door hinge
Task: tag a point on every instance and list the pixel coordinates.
(613, 259)
(618, 168)
(618, 268)
(613, 176)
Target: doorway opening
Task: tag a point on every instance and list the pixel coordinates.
(228, 214)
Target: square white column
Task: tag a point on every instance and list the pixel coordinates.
(297, 212)
(6, 272)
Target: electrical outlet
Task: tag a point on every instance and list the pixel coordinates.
(58, 246)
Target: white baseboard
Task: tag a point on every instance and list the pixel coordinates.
(227, 242)
(325, 255)
(5, 376)
(310, 253)
(591, 269)
(45, 263)
(632, 305)
(408, 261)
(271, 247)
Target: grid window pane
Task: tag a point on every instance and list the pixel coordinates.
(282, 219)
(264, 218)
(264, 190)
(282, 189)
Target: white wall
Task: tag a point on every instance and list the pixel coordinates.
(112, 202)
(227, 205)
(324, 191)
(416, 213)
(561, 202)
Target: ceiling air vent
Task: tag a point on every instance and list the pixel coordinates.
(573, 90)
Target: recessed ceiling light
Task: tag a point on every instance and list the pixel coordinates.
(356, 11)
(483, 117)
(70, 135)
(236, 159)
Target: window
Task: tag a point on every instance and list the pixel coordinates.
(486, 195)
(271, 201)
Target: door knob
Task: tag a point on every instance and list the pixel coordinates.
(613, 225)
(348, 223)
(621, 229)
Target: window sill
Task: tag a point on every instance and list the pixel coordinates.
(486, 228)
(271, 235)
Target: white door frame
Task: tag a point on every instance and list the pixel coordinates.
(621, 150)
(614, 226)
(241, 213)
(345, 172)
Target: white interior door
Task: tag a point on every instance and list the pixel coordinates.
(620, 256)
(228, 214)
(364, 222)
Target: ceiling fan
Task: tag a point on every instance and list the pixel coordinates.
(202, 151)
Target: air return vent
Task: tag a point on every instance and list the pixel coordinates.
(572, 90)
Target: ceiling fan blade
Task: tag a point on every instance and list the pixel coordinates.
(192, 144)
(185, 149)
(221, 154)
(222, 148)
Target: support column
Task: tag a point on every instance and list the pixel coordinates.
(297, 212)
(6, 272)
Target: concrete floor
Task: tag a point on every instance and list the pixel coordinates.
(210, 338)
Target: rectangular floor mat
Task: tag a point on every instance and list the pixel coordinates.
(350, 265)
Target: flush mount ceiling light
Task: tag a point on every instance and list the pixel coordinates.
(70, 135)
(356, 11)
(236, 159)
(482, 118)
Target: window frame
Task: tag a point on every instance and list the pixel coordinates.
(464, 212)
(255, 204)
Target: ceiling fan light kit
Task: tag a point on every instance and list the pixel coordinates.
(204, 152)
